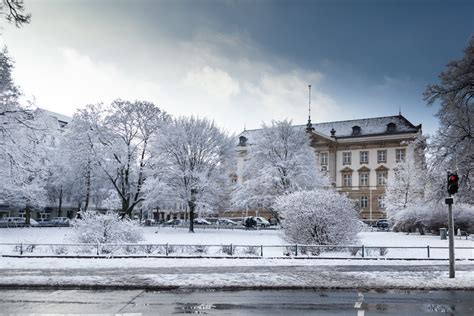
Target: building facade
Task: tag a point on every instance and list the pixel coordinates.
(357, 155)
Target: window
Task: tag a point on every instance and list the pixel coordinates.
(324, 168)
(346, 158)
(400, 155)
(380, 202)
(364, 157)
(363, 179)
(381, 156)
(355, 130)
(347, 180)
(391, 127)
(323, 159)
(381, 177)
(364, 202)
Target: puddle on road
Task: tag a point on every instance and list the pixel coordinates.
(193, 308)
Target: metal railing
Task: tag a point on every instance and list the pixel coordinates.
(230, 250)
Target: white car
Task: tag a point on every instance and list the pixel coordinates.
(60, 221)
(16, 222)
(262, 222)
(226, 222)
(201, 221)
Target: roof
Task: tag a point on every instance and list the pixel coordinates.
(368, 127)
(58, 116)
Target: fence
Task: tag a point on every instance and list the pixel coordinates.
(230, 250)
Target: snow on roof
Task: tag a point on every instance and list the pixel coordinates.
(368, 127)
(58, 116)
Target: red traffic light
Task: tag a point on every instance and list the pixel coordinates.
(453, 185)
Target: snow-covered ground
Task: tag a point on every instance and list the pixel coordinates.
(160, 235)
(159, 273)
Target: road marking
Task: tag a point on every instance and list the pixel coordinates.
(358, 304)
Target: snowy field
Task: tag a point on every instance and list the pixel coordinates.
(289, 272)
(159, 235)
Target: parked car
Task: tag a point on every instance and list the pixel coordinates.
(16, 222)
(60, 221)
(256, 221)
(201, 221)
(382, 224)
(44, 222)
(174, 222)
(226, 222)
(262, 222)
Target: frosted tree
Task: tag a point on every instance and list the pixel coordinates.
(190, 166)
(320, 216)
(119, 138)
(23, 155)
(94, 227)
(452, 145)
(406, 186)
(281, 161)
(82, 172)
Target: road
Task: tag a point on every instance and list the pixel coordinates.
(275, 302)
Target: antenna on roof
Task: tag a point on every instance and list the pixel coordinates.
(400, 110)
(309, 126)
(245, 127)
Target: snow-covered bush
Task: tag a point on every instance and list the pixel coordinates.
(95, 227)
(432, 217)
(280, 161)
(322, 217)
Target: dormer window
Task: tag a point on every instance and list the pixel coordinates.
(355, 130)
(242, 141)
(391, 127)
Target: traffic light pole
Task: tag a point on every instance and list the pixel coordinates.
(451, 239)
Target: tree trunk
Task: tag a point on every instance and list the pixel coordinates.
(27, 216)
(88, 186)
(60, 211)
(192, 206)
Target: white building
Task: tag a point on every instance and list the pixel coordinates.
(358, 155)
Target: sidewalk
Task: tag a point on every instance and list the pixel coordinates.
(161, 274)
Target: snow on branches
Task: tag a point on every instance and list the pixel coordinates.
(406, 186)
(320, 216)
(452, 146)
(190, 163)
(280, 161)
(95, 227)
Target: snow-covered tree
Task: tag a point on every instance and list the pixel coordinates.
(94, 227)
(406, 186)
(452, 145)
(191, 155)
(119, 137)
(280, 161)
(23, 154)
(320, 216)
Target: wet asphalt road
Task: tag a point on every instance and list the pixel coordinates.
(277, 302)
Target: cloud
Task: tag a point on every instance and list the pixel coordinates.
(225, 77)
(215, 82)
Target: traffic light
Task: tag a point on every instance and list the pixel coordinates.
(453, 183)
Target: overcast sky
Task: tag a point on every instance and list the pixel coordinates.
(241, 62)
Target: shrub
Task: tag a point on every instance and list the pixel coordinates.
(95, 227)
(322, 217)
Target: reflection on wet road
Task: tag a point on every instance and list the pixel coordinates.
(281, 302)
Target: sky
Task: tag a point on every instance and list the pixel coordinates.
(241, 63)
